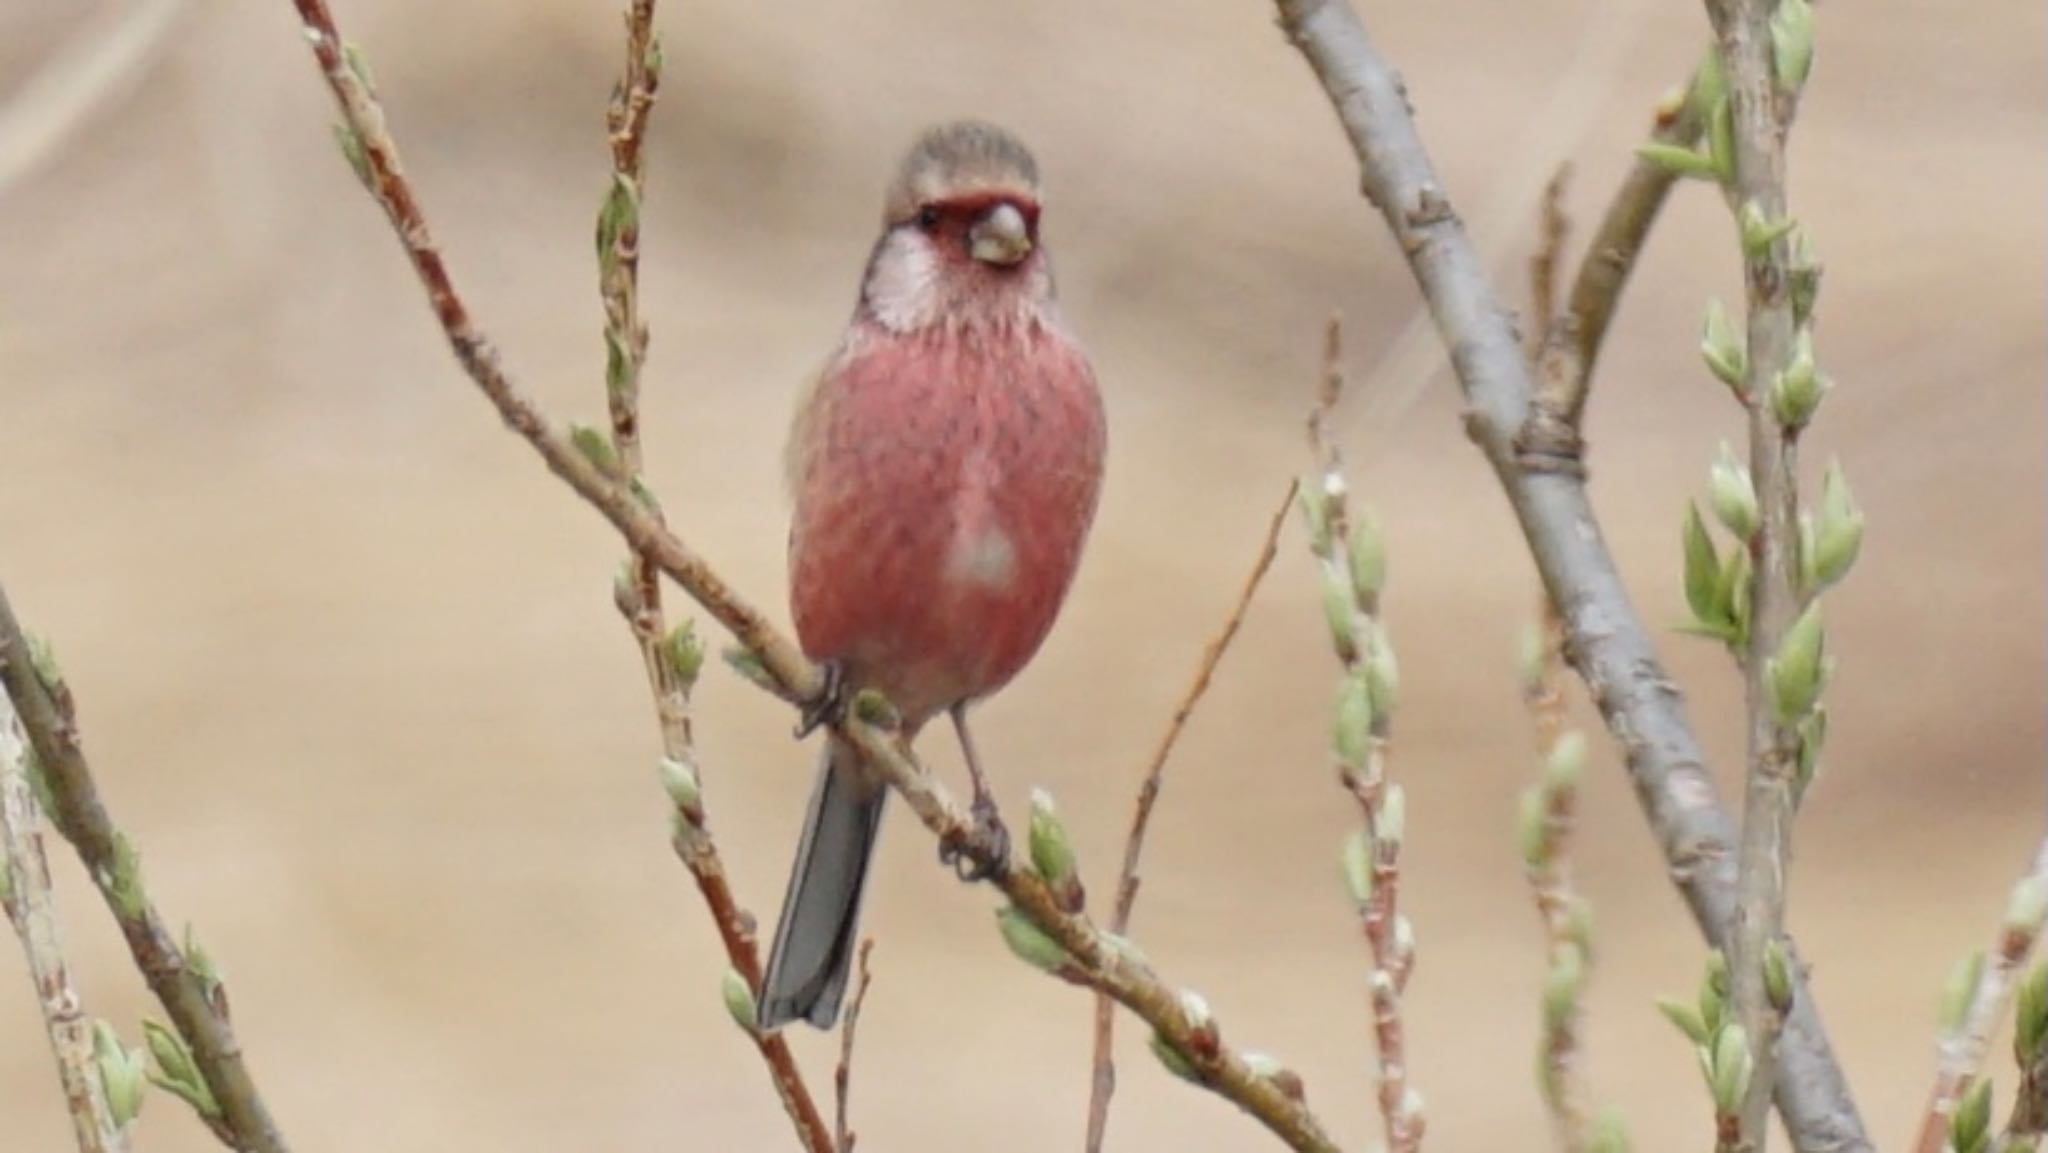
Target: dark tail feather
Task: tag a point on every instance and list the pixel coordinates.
(814, 942)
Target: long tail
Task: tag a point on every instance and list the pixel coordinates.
(814, 942)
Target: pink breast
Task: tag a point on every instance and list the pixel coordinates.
(945, 490)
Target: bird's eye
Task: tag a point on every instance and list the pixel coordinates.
(928, 218)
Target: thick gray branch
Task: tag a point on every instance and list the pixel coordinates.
(1607, 641)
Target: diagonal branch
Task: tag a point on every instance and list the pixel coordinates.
(1089, 957)
(1608, 643)
(190, 995)
(1103, 1082)
(31, 907)
(370, 146)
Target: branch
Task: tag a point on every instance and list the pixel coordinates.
(224, 1091)
(1965, 1042)
(842, 1075)
(1103, 1082)
(1353, 563)
(1068, 945)
(1180, 1020)
(1571, 342)
(369, 146)
(1756, 117)
(31, 907)
(670, 658)
(1608, 644)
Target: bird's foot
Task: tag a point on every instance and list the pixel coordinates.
(828, 708)
(983, 851)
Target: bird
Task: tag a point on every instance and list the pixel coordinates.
(945, 467)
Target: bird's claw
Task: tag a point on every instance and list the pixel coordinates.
(984, 851)
(828, 708)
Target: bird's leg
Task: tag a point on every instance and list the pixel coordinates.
(987, 852)
(828, 708)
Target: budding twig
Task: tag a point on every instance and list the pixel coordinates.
(1103, 1082)
(1967, 1036)
(190, 993)
(1608, 643)
(1747, 143)
(1090, 957)
(670, 657)
(1353, 570)
(368, 142)
(31, 907)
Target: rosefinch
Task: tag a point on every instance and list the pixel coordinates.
(945, 465)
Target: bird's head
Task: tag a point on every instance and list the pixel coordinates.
(959, 242)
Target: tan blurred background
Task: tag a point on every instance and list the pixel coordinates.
(350, 672)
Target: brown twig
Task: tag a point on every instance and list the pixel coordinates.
(193, 999)
(669, 658)
(842, 1074)
(1353, 568)
(27, 898)
(1607, 641)
(1272, 1096)
(1569, 343)
(369, 143)
(1103, 1082)
(1552, 803)
(1963, 1047)
(1089, 957)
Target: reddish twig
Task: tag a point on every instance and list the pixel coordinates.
(1271, 1095)
(842, 1075)
(1352, 567)
(369, 144)
(1103, 1083)
(1608, 643)
(670, 659)
(1963, 1047)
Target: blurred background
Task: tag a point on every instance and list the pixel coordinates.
(350, 672)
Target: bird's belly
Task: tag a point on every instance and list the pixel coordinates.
(940, 519)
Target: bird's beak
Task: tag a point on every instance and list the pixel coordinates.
(1000, 237)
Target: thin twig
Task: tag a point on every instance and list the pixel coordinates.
(30, 903)
(1352, 569)
(191, 996)
(1553, 801)
(1571, 340)
(669, 658)
(1546, 264)
(1092, 959)
(1962, 1050)
(369, 142)
(842, 1075)
(1103, 1082)
(1607, 641)
(1761, 121)
(1089, 957)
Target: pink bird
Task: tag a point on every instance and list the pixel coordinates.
(946, 467)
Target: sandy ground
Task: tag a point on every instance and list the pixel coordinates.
(351, 675)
